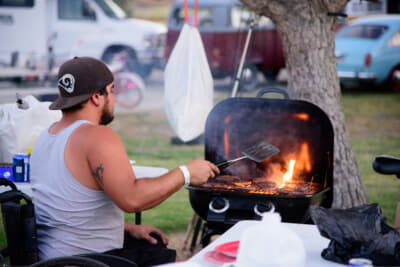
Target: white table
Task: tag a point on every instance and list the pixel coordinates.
(314, 243)
(140, 172)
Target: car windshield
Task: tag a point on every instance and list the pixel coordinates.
(364, 31)
(111, 9)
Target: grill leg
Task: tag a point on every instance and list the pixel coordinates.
(189, 230)
(195, 234)
(206, 237)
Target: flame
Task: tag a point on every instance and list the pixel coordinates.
(302, 116)
(303, 160)
(287, 177)
(226, 142)
(226, 138)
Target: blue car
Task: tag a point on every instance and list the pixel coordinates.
(368, 52)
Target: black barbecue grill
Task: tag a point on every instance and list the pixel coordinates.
(301, 131)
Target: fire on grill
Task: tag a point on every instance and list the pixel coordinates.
(280, 180)
(300, 175)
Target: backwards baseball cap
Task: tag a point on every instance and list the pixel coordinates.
(78, 79)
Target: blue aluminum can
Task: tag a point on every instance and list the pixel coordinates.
(6, 171)
(21, 168)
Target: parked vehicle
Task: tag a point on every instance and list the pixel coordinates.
(357, 8)
(368, 52)
(43, 33)
(223, 26)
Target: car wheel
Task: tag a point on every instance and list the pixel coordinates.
(394, 80)
(249, 79)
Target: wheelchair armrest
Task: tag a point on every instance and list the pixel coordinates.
(387, 165)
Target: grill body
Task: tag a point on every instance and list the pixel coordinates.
(295, 127)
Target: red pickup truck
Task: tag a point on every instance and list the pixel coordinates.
(223, 26)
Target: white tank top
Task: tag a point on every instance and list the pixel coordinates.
(71, 218)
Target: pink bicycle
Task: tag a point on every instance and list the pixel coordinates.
(129, 87)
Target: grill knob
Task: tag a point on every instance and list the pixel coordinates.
(260, 208)
(219, 205)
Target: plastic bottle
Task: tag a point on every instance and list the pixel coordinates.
(270, 243)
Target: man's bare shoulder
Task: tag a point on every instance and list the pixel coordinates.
(97, 134)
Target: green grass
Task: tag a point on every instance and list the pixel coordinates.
(374, 125)
(373, 122)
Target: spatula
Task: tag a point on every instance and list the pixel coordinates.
(258, 153)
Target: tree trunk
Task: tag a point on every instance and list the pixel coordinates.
(307, 33)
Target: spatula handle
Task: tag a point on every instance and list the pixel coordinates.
(225, 164)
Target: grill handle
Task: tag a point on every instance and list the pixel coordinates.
(260, 213)
(219, 210)
(273, 90)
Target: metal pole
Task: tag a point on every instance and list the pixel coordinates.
(246, 46)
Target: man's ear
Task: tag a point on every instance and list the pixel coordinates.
(95, 99)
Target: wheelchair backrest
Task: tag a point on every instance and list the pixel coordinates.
(19, 225)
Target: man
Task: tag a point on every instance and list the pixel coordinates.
(82, 180)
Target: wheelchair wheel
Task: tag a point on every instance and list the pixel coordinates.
(69, 261)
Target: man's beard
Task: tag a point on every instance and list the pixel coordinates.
(107, 116)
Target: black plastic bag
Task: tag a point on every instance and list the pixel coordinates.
(360, 232)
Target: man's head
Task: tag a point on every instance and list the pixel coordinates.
(78, 80)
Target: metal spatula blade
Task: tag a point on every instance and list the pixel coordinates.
(258, 153)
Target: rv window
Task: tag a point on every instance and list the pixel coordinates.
(241, 17)
(17, 3)
(204, 17)
(75, 10)
(111, 9)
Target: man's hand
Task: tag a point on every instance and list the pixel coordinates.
(144, 231)
(201, 171)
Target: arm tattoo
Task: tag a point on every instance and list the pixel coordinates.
(98, 174)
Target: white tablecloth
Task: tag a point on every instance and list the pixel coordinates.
(314, 243)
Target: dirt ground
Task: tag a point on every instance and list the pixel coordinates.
(177, 241)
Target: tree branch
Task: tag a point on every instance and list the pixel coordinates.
(334, 6)
(270, 8)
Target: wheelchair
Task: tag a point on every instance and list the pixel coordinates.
(20, 228)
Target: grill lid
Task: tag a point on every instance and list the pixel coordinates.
(301, 131)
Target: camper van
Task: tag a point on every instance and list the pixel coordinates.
(223, 26)
(41, 34)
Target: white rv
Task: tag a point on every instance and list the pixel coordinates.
(40, 34)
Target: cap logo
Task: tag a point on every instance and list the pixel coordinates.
(67, 82)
